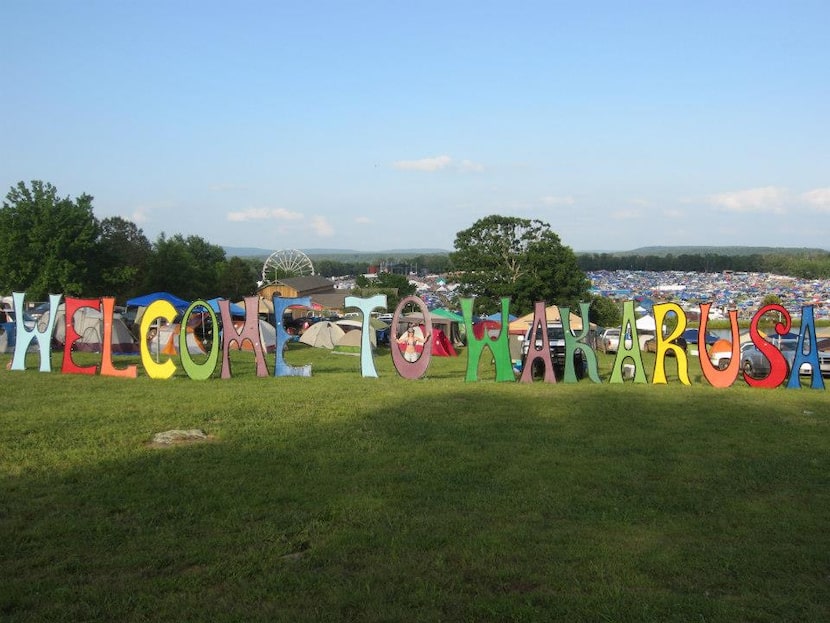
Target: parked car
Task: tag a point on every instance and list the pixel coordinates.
(608, 340)
(721, 358)
(556, 340)
(651, 345)
(691, 336)
(756, 365)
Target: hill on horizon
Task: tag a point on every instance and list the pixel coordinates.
(727, 250)
(334, 253)
(351, 254)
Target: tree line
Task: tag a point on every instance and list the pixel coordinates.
(52, 244)
(810, 265)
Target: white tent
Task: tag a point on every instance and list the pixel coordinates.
(323, 334)
(646, 323)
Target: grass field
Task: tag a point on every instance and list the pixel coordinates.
(338, 498)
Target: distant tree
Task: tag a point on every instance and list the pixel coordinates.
(47, 243)
(238, 278)
(187, 267)
(395, 287)
(604, 312)
(123, 254)
(522, 259)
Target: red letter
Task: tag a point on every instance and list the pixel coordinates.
(777, 363)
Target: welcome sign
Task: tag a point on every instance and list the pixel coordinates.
(781, 370)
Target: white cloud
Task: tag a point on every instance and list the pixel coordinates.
(424, 164)
(768, 199)
(322, 227)
(673, 213)
(437, 163)
(552, 201)
(264, 214)
(225, 187)
(470, 166)
(363, 220)
(818, 199)
(139, 216)
(626, 215)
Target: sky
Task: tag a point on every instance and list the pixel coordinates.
(394, 125)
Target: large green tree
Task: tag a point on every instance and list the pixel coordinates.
(47, 243)
(123, 254)
(502, 256)
(187, 267)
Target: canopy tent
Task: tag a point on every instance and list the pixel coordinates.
(146, 299)
(520, 325)
(646, 323)
(265, 306)
(496, 317)
(236, 310)
(446, 313)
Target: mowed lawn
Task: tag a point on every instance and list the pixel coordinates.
(339, 498)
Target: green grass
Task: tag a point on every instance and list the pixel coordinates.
(337, 498)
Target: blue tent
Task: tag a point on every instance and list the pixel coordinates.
(496, 317)
(236, 310)
(145, 300)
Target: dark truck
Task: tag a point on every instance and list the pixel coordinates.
(556, 339)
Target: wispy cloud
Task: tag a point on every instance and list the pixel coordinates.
(470, 166)
(264, 214)
(225, 187)
(363, 220)
(322, 227)
(437, 163)
(627, 215)
(818, 199)
(424, 164)
(768, 199)
(552, 201)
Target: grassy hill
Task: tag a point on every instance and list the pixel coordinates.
(341, 498)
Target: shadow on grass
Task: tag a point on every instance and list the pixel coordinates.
(470, 502)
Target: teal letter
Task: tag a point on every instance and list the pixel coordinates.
(25, 336)
(367, 362)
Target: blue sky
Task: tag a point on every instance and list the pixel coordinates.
(378, 125)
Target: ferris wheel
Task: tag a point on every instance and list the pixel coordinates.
(286, 263)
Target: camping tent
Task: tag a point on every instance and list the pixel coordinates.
(351, 341)
(165, 339)
(323, 334)
(89, 324)
(441, 345)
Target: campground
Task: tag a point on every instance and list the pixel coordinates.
(337, 497)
